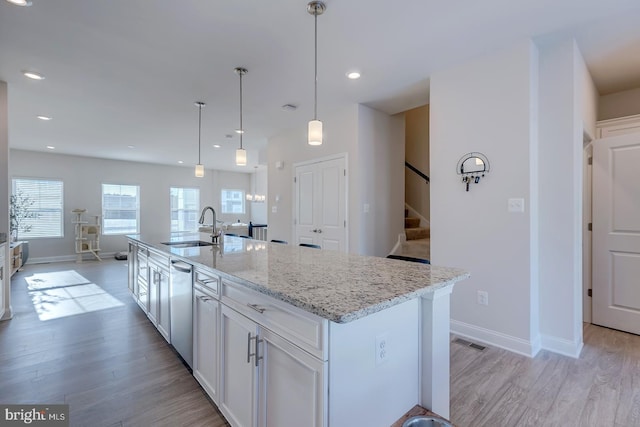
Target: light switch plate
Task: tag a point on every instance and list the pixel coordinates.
(515, 205)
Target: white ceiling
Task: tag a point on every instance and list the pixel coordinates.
(127, 72)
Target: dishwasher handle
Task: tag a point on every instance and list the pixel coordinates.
(181, 266)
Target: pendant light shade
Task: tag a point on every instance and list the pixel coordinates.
(199, 166)
(315, 8)
(241, 157)
(315, 132)
(241, 153)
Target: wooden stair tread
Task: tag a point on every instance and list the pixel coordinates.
(415, 233)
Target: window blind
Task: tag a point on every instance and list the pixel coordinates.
(45, 204)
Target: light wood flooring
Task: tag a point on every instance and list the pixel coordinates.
(114, 369)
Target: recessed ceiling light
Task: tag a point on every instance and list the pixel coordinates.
(180, 161)
(32, 75)
(45, 118)
(239, 131)
(216, 145)
(289, 107)
(51, 147)
(353, 75)
(131, 146)
(20, 2)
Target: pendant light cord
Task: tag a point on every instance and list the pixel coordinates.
(241, 129)
(199, 128)
(315, 83)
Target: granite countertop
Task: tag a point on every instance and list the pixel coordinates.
(337, 286)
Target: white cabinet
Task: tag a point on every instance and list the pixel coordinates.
(159, 302)
(142, 278)
(238, 379)
(206, 321)
(291, 384)
(3, 276)
(266, 380)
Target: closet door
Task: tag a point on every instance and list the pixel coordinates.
(320, 208)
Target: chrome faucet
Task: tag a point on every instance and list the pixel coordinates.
(214, 235)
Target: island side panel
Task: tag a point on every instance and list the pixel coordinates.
(367, 391)
(435, 350)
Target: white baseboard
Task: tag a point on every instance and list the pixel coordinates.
(562, 346)
(496, 339)
(66, 258)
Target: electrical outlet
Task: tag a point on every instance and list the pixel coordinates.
(483, 298)
(515, 205)
(382, 349)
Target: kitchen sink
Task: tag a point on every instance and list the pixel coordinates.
(188, 244)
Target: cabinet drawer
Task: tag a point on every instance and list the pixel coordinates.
(210, 282)
(303, 329)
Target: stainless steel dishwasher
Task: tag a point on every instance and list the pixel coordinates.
(181, 293)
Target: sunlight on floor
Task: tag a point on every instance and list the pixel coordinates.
(66, 293)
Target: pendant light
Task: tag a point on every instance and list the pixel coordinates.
(241, 153)
(199, 166)
(315, 8)
(255, 197)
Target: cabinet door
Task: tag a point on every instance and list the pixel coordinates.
(131, 265)
(238, 399)
(164, 314)
(206, 312)
(154, 295)
(291, 384)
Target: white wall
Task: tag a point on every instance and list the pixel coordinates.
(290, 147)
(619, 104)
(83, 178)
(563, 107)
(373, 142)
(5, 291)
(487, 105)
(380, 181)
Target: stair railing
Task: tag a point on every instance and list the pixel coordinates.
(417, 171)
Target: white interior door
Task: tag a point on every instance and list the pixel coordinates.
(616, 233)
(320, 194)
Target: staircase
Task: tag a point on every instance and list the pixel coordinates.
(412, 228)
(415, 242)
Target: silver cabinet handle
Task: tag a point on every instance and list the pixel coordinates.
(2, 273)
(249, 347)
(256, 307)
(204, 299)
(258, 358)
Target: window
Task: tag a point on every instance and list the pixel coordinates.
(232, 201)
(43, 201)
(185, 206)
(120, 208)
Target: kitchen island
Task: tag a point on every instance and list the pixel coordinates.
(313, 337)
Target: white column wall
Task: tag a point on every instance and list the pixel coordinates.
(5, 292)
(380, 181)
(487, 105)
(568, 105)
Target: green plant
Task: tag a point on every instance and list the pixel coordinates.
(19, 211)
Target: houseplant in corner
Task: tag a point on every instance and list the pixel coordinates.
(19, 212)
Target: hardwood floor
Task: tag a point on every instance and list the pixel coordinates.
(111, 366)
(494, 387)
(114, 369)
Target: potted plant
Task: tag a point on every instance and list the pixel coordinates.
(19, 211)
